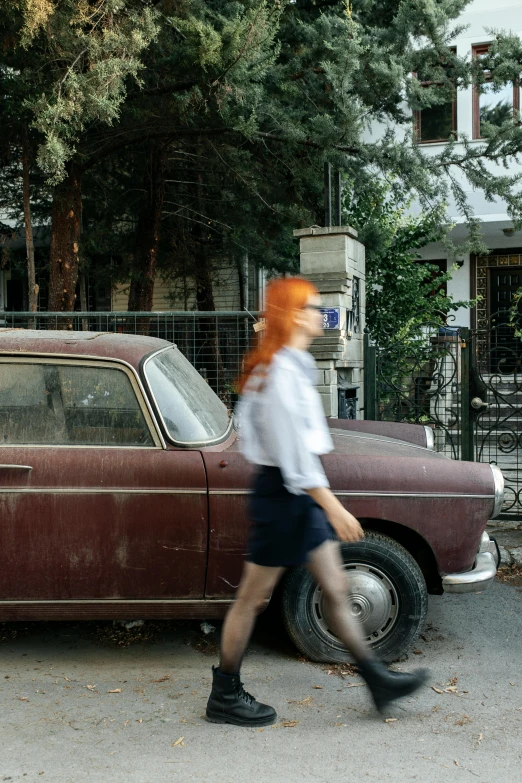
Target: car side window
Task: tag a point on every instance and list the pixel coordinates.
(69, 405)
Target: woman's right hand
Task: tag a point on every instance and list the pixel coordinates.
(347, 527)
(345, 524)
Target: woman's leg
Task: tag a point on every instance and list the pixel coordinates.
(327, 569)
(257, 584)
(385, 686)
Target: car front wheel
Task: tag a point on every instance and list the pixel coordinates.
(388, 596)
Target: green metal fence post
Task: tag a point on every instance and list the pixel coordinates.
(370, 379)
(466, 425)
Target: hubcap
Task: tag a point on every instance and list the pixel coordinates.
(374, 602)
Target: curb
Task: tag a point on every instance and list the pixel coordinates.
(508, 534)
(510, 556)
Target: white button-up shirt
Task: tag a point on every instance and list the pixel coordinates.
(282, 422)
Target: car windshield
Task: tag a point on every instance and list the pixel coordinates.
(191, 411)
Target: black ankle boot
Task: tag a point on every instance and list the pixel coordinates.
(386, 686)
(230, 703)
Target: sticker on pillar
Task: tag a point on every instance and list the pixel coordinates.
(331, 317)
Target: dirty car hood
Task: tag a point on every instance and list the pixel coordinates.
(367, 445)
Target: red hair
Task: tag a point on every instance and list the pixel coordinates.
(283, 296)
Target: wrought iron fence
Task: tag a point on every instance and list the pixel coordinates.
(214, 342)
(466, 385)
(496, 399)
(419, 382)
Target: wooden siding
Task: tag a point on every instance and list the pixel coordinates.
(169, 296)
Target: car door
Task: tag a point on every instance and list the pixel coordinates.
(92, 503)
(229, 481)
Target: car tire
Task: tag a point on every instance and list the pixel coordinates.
(388, 594)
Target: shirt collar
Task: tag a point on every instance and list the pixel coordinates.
(303, 358)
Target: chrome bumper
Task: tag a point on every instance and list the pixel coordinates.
(481, 575)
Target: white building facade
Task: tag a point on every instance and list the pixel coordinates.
(492, 279)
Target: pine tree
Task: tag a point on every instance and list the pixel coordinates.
(262, 93)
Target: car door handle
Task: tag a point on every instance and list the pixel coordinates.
(16, 467)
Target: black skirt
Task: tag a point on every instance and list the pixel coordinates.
(284, 527)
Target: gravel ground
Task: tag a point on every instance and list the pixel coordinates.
(78, 705)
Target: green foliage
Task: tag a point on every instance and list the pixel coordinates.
(402, 294)
(251, 97)
(79, 56)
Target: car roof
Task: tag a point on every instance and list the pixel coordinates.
(104, 345)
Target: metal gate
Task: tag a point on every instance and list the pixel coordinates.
(464, 384)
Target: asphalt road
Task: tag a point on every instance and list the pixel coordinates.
(76, 707)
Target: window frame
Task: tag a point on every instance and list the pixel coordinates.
(179, 443)
(417, 116)
(121, 366)
(476, 51)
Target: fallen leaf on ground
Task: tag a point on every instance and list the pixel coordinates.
(456, 762)
(356, 684)
(23, 698)
(178, 742)
(437, 690)
(463, 720)
(66, 678)
(318, 687)
(390, 720)
(303, 703)
(417, 652)
(480, 738)
(289, 724)
(90, 687)
(115, 690)
(162, 679)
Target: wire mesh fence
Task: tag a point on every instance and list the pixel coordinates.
(214, 342)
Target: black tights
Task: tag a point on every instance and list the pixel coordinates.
(256, 587)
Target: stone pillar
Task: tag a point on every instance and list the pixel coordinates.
(333, 259)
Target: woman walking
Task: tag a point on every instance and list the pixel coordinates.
(295, 518)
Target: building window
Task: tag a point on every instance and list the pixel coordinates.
(439, 122)
(492, 106)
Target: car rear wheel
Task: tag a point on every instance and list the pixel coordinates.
(388, 596)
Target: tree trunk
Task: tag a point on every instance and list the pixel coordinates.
(83, 300)
(242, 279)
(203, 280)
(29, 243)
(148, 231)
(65, 240)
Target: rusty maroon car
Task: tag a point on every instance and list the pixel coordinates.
(122, 495)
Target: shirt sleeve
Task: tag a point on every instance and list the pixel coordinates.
(283, 436)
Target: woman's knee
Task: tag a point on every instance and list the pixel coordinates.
(255, 600)
(336, 589)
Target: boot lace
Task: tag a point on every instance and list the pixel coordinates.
(243, 694)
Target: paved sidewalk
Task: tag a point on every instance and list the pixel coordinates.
(74, 710)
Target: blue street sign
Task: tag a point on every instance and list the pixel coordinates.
(331, 317)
